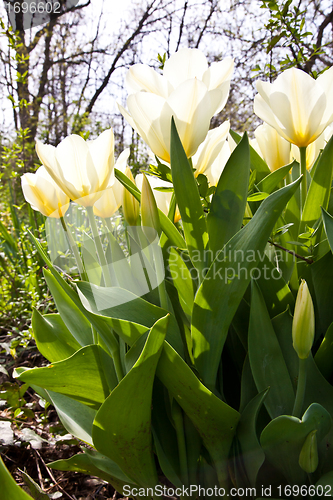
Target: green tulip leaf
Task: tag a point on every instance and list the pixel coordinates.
(73, 318)
(120, 304)
(189, 203)
(9, 489)
(129, 331)
(319, 189)
(182, 280)
(167, 226)
(321, 282)
(257, 163)
(226, 282)
(274, 288)
(229, 200)
(95, 464)
(77, 418)
(328, 224)
(272, 180)
(282, 324)
(85, 376)
(326, 480)
(324, 355)
(252, 454)
(267, 364)
(283, 438)
(125, 435)
(52, 337)
(214, 420)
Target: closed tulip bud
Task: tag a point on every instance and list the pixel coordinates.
(130, 204)
(308, 458)
(303, 328)
(149, 211)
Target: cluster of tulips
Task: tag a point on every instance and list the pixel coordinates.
(220, 375)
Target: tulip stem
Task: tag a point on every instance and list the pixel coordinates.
(99, 247)
(73, 247)
(304, 187)
(301, 384)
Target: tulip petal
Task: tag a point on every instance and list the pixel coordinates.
(142, 77)
(184, 65)
(274, 149)
(218, 73)
(152, 115)
(191, 104)
(102, 153)
(210, 148)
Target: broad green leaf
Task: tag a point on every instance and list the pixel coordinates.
(257, 163)
(214, 420)
(226, 282)
(125, 435)
(77, 418)
(34, 488)
(322, 292)
(120, 304)
(319, 189)
(324, 355)
(182, 280)
(274, 288)
(229, 200)
(189, 203)
(95, 464)
(282, 324)
(328, 224)
(101, 324)
(73, 318)
(283, 438)
(84, 376)
(272, 180)
(167, 226)
(248, 385)
(52, 337)
(9, 489)
(267, 364)
(252, 453)
(164, 434)
(326, 480)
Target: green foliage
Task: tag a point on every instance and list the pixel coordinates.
(197, 379)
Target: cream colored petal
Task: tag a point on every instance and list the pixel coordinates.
(43, 194)
(47, 155)
(219, 97)
(218, 73)
(210, 148)
(312, 151)
(142, 77)
(191, 105)
(263, 110)
(102, 153)
(274, 148)
(152, 116)
(128, 117)
(214, 172)
(300, 122)
(76, 163)
(107, 204)
(184, 65)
